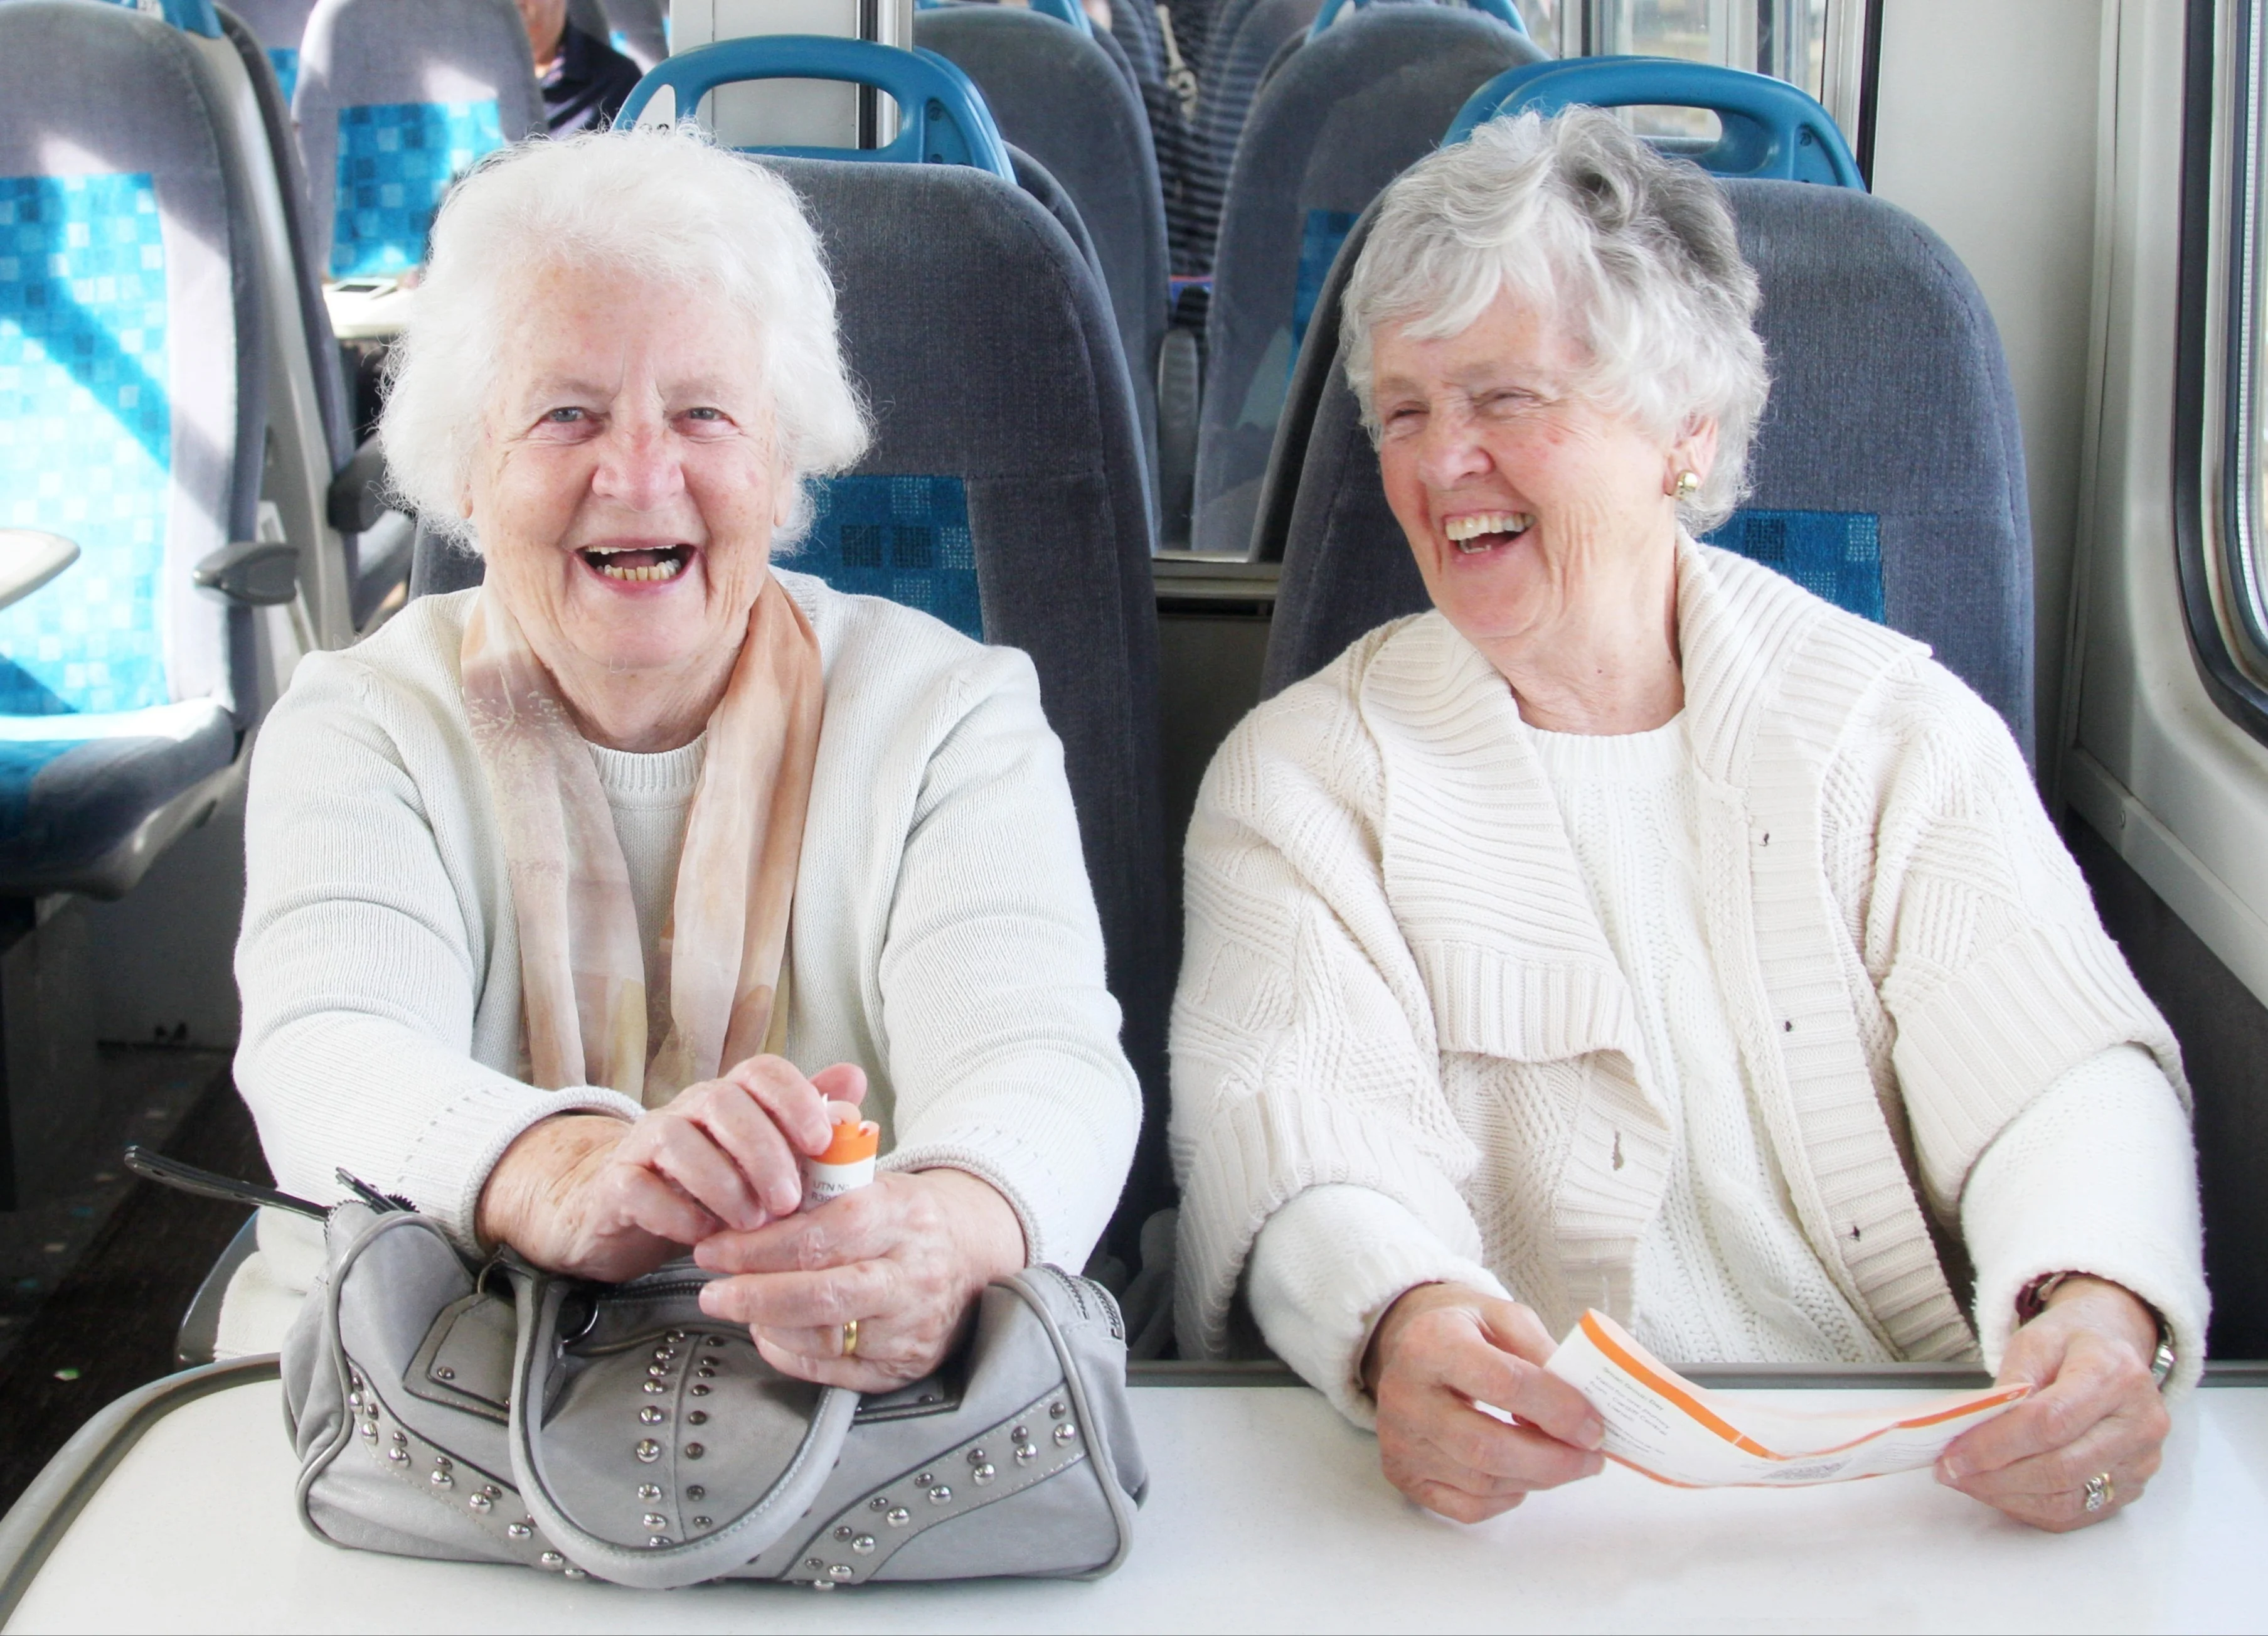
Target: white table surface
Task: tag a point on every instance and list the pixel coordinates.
(1266, 1512)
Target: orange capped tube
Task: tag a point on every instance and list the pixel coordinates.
(848, 1161)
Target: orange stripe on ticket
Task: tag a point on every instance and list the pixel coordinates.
(1673, 1389)
(1680, 1393)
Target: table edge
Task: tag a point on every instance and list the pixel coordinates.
(45, 1511)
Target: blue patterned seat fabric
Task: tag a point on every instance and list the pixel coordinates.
(114, 684)
(396, 161)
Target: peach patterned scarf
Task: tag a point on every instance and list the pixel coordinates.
(581, 970)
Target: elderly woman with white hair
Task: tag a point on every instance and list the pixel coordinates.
(1636, 930)
(574, 900)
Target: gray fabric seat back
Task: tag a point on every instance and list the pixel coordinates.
(1343, 116)
(1242, 39)
(1056, 94)
(131, 340)
(1005, 492)
(279, 25)
(395, 99)
(1888, 472)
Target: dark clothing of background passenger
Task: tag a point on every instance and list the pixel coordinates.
(587, 86)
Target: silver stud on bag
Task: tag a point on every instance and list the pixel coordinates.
(1021, 1433)
(654, 1520)
(651, 1414)
(977, 1456)
(700, 1389)
(1058, 1409)
(552, 1559)
(649, 1492)
(927, 1479)
(657, 1542)
(982, 1474)
(480, 1502)
(694, 1451)
(442, 1479)
(574, 1572)
(648, 1450)
(940, 1495)
(444, 1373)
(814, 1565)
(899, 1516)
(354, 1401)
(1025, 1454)
(879, 1502)
(370, 1430)
(696, 1492)
(703, 1522)
(656, 1370)
(699, 1416)
(674, 1336)
(518, 1530)
(841, 1570)
(657, 1388)
(864, 1544)
(400, 1456)
(843, 1532)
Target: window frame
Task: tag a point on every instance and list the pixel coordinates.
(2220, 377)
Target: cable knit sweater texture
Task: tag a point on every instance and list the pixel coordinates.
(1396, 981)
(944, 935)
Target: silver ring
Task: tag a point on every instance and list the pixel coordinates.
(2099, 1493)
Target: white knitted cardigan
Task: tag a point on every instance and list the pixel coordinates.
(1394, 978)
(944, 933)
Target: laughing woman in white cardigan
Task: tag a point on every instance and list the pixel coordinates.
(574, 901)
(1637, 931)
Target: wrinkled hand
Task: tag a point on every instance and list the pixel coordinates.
(601, 1198)
(906, 1257)
(2094, 1409)
(1440, 1349)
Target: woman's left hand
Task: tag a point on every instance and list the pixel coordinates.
(2093, 1411)
(904, 1258)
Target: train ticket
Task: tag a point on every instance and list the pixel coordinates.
(1665, 1427)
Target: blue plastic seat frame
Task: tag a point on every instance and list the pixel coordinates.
(1773, 131)
(1504, 10)
(942, 116)
(1063, 11)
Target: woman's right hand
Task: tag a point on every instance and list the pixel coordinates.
(596, 1197)
(1442, 1349)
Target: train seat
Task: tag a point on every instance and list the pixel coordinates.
(1888, 473)
(374, 540)
(1055, 95)
(397, 98)
(1347, 113)
(1242, 38)
(134, 408)
(279, 25)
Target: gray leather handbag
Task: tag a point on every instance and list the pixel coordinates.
(499, 1414)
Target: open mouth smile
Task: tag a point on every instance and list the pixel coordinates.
(1480, 531)
(638, 564)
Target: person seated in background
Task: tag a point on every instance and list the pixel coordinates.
(572, 900)
(1637, 931)
(584, 79)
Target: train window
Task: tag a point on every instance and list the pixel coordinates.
(1817, 44)
(2241, 573)
(2221, 424)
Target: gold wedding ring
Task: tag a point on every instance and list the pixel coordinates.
(851, 1350)
(2098, 1492)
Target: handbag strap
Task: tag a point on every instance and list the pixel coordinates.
(660, 1567)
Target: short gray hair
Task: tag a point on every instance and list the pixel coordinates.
(1634, 252)
(666, 205)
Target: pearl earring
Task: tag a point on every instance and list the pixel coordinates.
(1689, 483)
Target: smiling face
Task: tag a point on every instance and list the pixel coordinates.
(1534, 513)
(626, 486)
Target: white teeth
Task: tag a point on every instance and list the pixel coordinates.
(1461, 529)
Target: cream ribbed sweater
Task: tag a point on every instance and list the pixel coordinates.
(1395, 978)
(944, 934)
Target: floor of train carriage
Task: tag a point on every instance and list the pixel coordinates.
(94, 1282)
